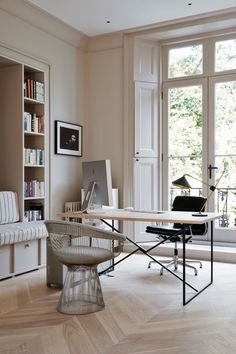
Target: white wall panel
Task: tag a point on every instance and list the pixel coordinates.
(145, 61)
(145, 191)
(146, 127)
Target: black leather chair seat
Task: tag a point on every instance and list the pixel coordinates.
(174, 234)
(165, 231)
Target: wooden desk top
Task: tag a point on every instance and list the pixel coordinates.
(155, 216)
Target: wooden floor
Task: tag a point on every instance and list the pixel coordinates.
(143, 315)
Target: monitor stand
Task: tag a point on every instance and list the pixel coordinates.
(88, 198)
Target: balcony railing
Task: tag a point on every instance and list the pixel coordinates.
(225, 203)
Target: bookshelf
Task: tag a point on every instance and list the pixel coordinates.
(34, 144)
(24, 135)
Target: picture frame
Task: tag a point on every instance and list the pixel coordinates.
(68, 138)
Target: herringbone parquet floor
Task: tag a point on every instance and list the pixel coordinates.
(143, 315)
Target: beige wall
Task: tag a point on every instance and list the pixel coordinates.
(105, 109)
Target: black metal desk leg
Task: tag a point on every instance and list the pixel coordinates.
(185, 302)
(211, 252)
(184, 267)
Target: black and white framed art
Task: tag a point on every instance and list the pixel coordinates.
(68, 138)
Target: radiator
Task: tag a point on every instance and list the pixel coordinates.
(72, 206)
(75, 206)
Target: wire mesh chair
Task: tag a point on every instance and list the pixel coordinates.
(81, 293)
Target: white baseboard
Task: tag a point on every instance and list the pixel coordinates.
(193, 251)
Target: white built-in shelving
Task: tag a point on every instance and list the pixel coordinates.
(24, 135)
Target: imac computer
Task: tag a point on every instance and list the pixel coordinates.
(97, 184)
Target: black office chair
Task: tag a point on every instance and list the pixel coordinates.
(181, 203)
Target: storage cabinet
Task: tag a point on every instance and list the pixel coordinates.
(26, 256)
(6, 260)
(22, 257)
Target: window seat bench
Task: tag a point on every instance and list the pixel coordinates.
(22, 244)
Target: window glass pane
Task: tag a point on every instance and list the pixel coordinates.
(185, 61)
(185, 136)
(185, 121)
(225, 55)
(225, 118)
(225, 197)
(178, 166)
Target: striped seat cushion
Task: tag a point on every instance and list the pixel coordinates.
(9, 211)
(22, 231)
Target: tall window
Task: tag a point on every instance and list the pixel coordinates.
(199, 108)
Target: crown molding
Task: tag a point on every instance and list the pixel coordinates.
(212, 21)
(45, 22)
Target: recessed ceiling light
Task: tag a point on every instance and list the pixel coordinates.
(108, 21)
(189, 4)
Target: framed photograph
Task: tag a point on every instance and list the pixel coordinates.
(68, 138)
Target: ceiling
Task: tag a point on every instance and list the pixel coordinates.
(94, 17)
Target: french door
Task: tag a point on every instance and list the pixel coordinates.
(199, 138)
(222, 151)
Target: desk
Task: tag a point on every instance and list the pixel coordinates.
(179, 217)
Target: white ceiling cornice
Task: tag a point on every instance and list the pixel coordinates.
(217, 20)
(45, 22)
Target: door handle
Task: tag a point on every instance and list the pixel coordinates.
(210, 168)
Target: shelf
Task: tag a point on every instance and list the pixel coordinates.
(33, 198)
(32, 101)
(33, 133)
(34, 165)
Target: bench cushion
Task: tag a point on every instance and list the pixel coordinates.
(22, 231)
(9, 211)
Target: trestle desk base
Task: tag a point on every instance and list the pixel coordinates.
(183, 218)
(146, 252)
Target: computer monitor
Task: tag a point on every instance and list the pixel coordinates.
(97, 183)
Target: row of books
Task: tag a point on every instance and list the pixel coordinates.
(33, 123)
(34, 89)
(34, 188)
(33, 215)
(34, 157)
